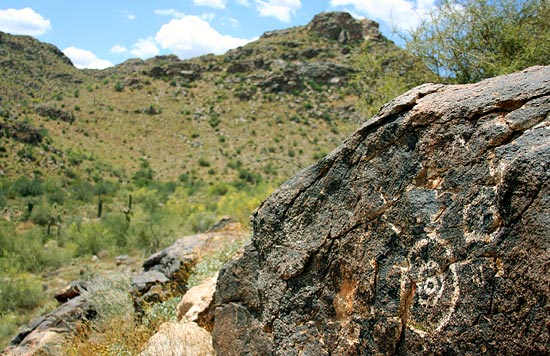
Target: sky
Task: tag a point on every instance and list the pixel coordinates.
(98, 34)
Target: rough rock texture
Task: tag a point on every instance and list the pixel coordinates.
(427, 232)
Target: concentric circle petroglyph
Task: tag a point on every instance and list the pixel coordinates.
(436, 287)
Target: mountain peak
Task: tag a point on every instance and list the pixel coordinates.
(343, 27)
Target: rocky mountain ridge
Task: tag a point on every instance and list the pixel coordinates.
(218, 108)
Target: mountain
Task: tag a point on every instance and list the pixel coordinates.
(268, 108)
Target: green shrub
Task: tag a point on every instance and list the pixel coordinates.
(25, 187)
(41, 214)
(19, 293)
(211, 263)
(110, 297)
(82, 190)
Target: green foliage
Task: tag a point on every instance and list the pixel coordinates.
(145, 174)
(110, 297)
(119, 86)
(41, 214)
(25, 187)
(383, 75)
(214, 119)
(162, 312)
(19, 293)
(469, 40)
(82, 190)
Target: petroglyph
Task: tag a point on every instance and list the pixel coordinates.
(436, 284)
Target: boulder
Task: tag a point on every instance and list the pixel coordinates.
(324, 72)
(182, 339)
(166, 272)
(196, 300)
(427, 232)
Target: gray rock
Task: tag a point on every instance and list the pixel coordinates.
(427, 232)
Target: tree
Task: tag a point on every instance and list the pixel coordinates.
(469, 40)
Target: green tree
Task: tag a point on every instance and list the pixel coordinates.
(469, 40)
(384, 72)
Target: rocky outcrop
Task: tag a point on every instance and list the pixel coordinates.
(341, 26)
(44, 335)
(427, 232)
(54, 113)
(166, 272)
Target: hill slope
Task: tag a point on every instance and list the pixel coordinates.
(268, 108)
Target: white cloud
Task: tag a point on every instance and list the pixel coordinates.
(282, 10)
(233, 22)
(191, 36)
(23, 22)
(130, 16)
(209, 17)
(170, 12)
(82, 58)
(403, 14)
(243, 2)
(145, 48)
(118, 49)
(216, 4)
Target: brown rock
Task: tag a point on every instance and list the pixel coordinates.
(427, 232)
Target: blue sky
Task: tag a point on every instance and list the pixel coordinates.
(98, 34)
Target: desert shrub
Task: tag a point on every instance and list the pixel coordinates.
(41, 214)
(214, 119)
(119, 86)
(145, 174)
(89, 237)
(117, 227)
(21, 292)
(159, 313)
(82, 190)
(25, 187)
(382, 75)
(7, 238)
(203, 162)
(109, 296)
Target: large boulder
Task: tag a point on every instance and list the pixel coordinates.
(427, 232)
